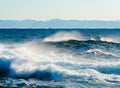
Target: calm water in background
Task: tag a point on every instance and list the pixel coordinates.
(65, 58)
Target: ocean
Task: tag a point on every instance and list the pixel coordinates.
(59, 58)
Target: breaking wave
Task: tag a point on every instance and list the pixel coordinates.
(45, 61)
(32, 60)
(60, 58)
(66, 36)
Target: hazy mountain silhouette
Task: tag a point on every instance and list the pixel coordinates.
(58, 23)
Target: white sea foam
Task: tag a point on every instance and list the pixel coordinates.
(39, 59)
(32, 58)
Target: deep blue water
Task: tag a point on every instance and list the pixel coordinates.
(62, 58)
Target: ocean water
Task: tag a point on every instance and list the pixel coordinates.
(63, 58)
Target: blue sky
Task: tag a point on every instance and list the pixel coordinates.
(62, 9)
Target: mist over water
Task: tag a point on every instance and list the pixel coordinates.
(60, 58)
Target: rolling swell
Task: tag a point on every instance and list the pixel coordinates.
(101, 48)
(79, 42)
(86, 43)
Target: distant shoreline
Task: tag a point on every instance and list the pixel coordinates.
(59, 24)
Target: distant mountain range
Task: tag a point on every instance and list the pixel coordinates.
(58, 23)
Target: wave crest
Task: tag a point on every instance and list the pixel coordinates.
(74, 35)
(64, 36)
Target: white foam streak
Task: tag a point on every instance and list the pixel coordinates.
(99, 51)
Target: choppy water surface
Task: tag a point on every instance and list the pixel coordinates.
(82, 58)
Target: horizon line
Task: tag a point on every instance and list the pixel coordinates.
(62, 19)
